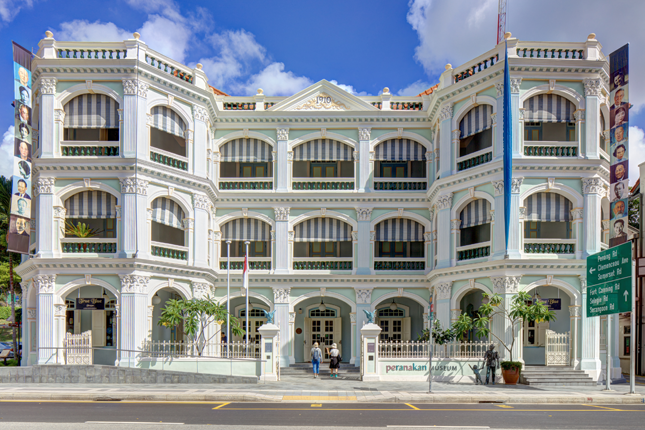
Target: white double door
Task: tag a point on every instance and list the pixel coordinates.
(325, 331)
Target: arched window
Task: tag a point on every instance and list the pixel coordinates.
(400, 158)
(90, 214)
(476, 130)
(246, 158)
(549, 117)
(322, 238)
(167, 131)
(548, 216)
(399, 237)
(167, 222)
(91, 118)
(323, 158)
(475, 222)
(241, 230)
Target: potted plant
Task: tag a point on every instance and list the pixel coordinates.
(81, 230)
(522, 308)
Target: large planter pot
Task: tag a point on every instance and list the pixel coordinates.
(511, 376)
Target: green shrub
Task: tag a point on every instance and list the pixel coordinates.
(5, 312)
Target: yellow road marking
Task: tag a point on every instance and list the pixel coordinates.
(504, 406)
(221, 406)
(317, 406)
(318, 397)
(432, 409)
(112, 401)
(413, 407)
(604, 408)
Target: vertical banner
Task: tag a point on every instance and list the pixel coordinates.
(619, 149)
(508, 148)
(21, 194)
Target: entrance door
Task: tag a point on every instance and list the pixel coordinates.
(325, 331)
(394, 329)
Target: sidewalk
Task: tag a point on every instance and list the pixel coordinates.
(301, 389)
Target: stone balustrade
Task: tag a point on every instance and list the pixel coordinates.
(89, 149)
(399, 264)
(168, 159)
(471, 252)
(550, 150)
(169, 251)
(173, 69)
(400, 184)
(469, 161)
(334, 184)
(322, 264)
(88, 246)
(245, 184)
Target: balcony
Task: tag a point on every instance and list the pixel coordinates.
(166, 250)
(169, 66)
(399, 264)
(89, 149)
(550, 149)
(474, 251)
(255, 263)
(245, 184)
(168, 159)
(317, 263)
(88, 246)
(327, 184)
(550, 246)
(474, 159)
(400, 184)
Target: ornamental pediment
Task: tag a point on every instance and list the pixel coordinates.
(323, 97)
(322, 101)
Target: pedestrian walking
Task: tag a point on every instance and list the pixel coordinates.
(316, 358)
(491, 357)
(334, 360)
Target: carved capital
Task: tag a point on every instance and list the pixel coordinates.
(455, 224)
(443, 290)
(364, 133)
(605, 224)
(188, 223)
(515, 85)
(201, 201)
(44, 284)
(372, 236)
(134, 87)
(134, 186)
(500, 88)
(427, 236)
(31, 314)
(506, 284)
(579, 115)
(354, 235)
(363, 296)
(593, 87)
(522, 213)
(456, 135)
(134, 284)
(444, 201)
(364, 214)
(44, 186)
(48, 85)
(60, 212)
(446, 112)
(352, 317)
(593, 186)
(576, 213)
(283, 134)
(575, 311)
(281, 214)
(498, 186)
(583, 283)
(281, 295)
(201, 290)
(516, 184)
(200, 113)
(454, 314)
(493, 118)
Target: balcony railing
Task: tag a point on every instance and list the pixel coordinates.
(550, 149)
(168, 159)
(475, 159)
(400, 184)
(389, 263)
(246, 184)
(471, 252)
(239, 106)
(550, 246)
(173, 68)
(377, 105)
(255, 263)
(89, 149)
(406, 105)
(74, 245)
(480, 65)
(167, 250)
(315, 263)
(268, 105)
(334, 184)
(92, 54)
(573, 54)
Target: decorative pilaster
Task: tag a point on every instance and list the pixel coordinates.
(363, 303)
(281, 301)
(364, 259)
(515, 115)
(48, 141)
(575, 312)
(134, 318)
(201, 204)
(366, 166)
(593, 190)
(443, 294)
(515, 229)
(196, 151)
(134, 203)
(281, 170)
(590, 337)
(507, 287)
(444, 251)
(136, 136)
(44, 285)
(282, 246)
(44, 195)
(445, 146)
(591, 121)
(499, 228)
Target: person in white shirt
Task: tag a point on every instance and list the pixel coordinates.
(316, 358)
(334, 361)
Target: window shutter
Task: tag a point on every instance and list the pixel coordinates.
(338, 334)
(98, 328)
(406, 330)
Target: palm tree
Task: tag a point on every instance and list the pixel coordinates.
(5, 209)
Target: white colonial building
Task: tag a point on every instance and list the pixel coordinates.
(380, 203)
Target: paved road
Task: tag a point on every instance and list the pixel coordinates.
(318, 415)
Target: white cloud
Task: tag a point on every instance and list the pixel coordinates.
(414, 88)
(350, 89)
(83, 30)
(6, 153)
(167, 8)
(636, 152)
(276, 82)
(10, 8)
(459, 30)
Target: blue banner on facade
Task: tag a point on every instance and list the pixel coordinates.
(508, 148)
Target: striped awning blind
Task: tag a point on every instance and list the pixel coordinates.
(548, 108)
(91, 204)
(399, 230)
(246, 151)
(166, 211)
(92, 111)
(168, 120)
(323, 150)
(323, 230)
(477, 119)
(400, 150)
(548, 207)
(475, 213)
(242, 229)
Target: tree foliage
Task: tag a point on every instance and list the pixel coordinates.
(440, 336)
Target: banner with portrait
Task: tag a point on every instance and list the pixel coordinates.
(18, 236)
(619, 145)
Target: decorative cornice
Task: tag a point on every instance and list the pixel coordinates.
(134, 284)
(364, 133)
(364, 214)
(363, 296)
(201, 201)
(44, 186)
(505, 284)
(593, 186)
(48, 86)
(281, 295)
(444, 201)
(134, 87)
(44, 284)
(516, 184)
(443, 290)
(498, 186)
(134, 186)
(283, 133)
(200, 113)
(593, 87)
(515, 85)
(281, 214)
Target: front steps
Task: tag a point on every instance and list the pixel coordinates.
(304, 370)
(559, 376)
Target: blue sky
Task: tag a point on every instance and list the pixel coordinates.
(285, 45)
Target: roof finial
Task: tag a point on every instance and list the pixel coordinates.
(592, 36)
(199, 66)
(136, 35)
(386, 90)
(49, 34)
(507, 35)
(260, 91)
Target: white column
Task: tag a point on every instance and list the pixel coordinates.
(364, 216)
(515, 116)
(281, 170)
(352, 320)
(45, 285)
(44, 194)
(454, 149)
(282, 240)
(199, 160)
(515, 233)
(47, 138)
(357, 168)
(593, 191)
(134, 317)
(364, 173)
(292, 338)
(370, 334)
(590, 334)
(574, 345)
(428, 239)
(60, 310)
(134, 204)
(498, 125)
(444, 204)
(443, 291)
(593, 88)
(616, 372)
(445, 146)
(455, 237)
(363, 303)
(202, 205)
(281, 318)
(507, 287)
(499, 233)
(135, 119)
(119, 232)
(29, 354)
(268, 351)
(189, 236)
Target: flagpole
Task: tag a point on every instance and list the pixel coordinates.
(228, 296)
(246, 281)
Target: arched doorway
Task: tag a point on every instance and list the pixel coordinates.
(469, 305)
(400, 318)
(159, 333)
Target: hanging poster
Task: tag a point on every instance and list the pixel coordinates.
(619, 145)
(18, 238)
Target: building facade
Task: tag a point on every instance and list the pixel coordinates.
(349, 204)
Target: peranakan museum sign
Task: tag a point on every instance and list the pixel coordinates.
(21, 193)
(452, 370)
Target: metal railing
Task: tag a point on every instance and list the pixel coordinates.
(78, 348)
(419, 349)
(557, 348)
(168, 349)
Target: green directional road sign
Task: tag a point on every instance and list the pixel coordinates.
(609, 279)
